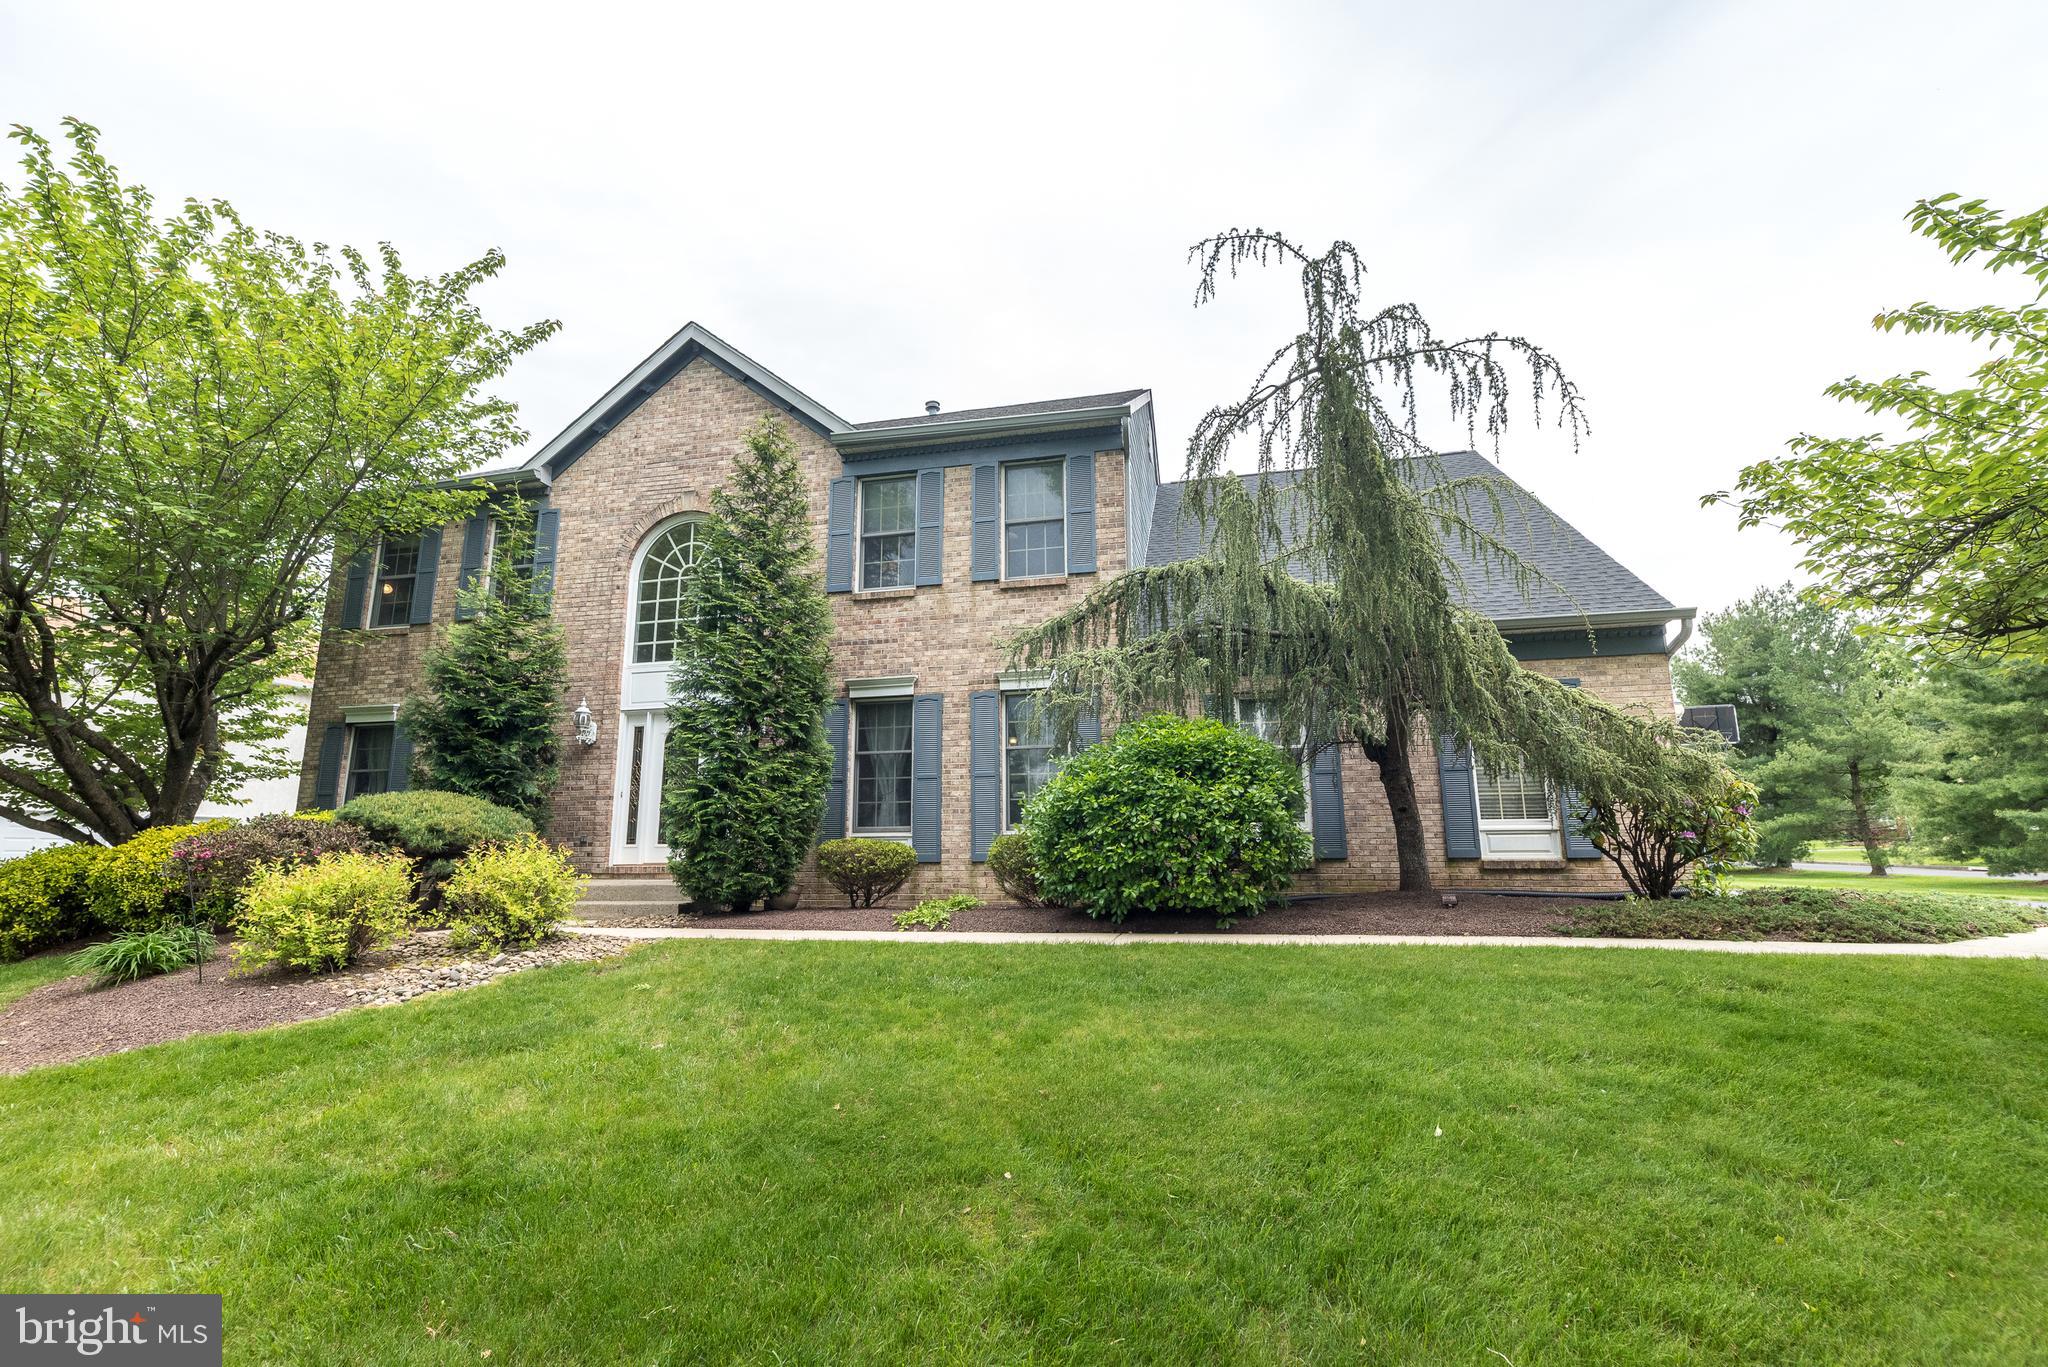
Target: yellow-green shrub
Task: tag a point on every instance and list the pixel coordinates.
(325, 914)
(134, 885)
(43, 899)
(510, 894)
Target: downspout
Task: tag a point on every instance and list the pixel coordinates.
(1684, 635)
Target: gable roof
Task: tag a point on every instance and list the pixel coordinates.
(690, 343)
(1585, 581)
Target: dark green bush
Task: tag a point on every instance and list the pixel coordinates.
(432, 828)
(1170, 814)
(44, 900)
(136, 885)
(865, 870)
(144, 953)
(1016, 872)
(219, 863)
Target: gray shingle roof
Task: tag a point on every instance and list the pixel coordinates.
(1597, 583)
(1013, 410)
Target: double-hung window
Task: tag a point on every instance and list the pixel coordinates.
(1034, 519)
(1516, 816)
(881, 767)
(1261, 718)
(398, 570)
(888, 531)
(1029, 754)
(369, 759)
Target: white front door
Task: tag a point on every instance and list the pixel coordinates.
(636, 795)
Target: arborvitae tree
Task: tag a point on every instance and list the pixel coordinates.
(488, 722)
(1332, 594)
(747, 757)
(1985, 793)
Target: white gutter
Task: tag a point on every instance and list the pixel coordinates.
(877, 438)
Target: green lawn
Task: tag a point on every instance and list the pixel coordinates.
(2033, 889)
(815, 1152)
(25, 976)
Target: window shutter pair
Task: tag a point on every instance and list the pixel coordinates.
(327, 777)
(927, 764)
(928, 558)
(1577, 845)
(356, 587)
(985, 766)
(987, 549)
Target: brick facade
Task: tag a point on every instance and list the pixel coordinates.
(663, 459)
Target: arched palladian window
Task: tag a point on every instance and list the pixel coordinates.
(658, 592)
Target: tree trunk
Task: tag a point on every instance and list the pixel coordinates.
(1395, 759)
(1864, 835)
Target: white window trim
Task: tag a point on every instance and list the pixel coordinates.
(877, 689)
(860, 487)
(1003, 516)
(369, 714)
(1551, 826)
(638, 563)
(376, 594)
(901, 835)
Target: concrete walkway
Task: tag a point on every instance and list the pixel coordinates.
(2031, 944)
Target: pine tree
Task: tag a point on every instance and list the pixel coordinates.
(747, 759)
(487, 723)
(1985, 794)
(1331, 592)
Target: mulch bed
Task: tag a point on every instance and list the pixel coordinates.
(1377, 913)
(63, 1021)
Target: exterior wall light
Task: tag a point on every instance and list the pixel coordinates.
(586, 725)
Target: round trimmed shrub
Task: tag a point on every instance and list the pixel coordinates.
(865, 870)
(43, 899)
(433, 828)
(135, 885)
(219, 863)
(510, 895)
(323, 915)
(1170, 814)
(1016, 872)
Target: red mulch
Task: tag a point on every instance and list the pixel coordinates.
(1376, 913)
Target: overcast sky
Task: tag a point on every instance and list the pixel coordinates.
(1697, 207)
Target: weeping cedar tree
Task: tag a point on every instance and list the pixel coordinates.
(194, 416)
(747, 757)
(488, 723)
(1332, 595)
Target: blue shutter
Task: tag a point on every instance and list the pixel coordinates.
(423, 583)
(327, 778)
(832, 821)
(987, 548)
(927, 750)
(1088, 728)
(931, 527)
(1081, 514)
(356, 589)
(1326, 803)
(839, 537)
(1576, 844)
(1460, 803)
(547, 531)
(985, 769)
(400, 776)
(476, 534)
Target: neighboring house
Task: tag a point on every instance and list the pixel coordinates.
(940, 534)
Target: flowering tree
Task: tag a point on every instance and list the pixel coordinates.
(1684, 819)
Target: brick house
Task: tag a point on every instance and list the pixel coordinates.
(940, 534)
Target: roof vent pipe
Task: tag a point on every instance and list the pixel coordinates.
(931, 406)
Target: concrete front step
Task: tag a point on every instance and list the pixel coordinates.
(612, 890)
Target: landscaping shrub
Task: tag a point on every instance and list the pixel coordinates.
(136, 885)
(144, 953)
(1015, 870)
(433, 828)
(934, 913)
(1170, 814)
(43, 899)
(1838, 915)
(219, 863)
(865, 870)
(512, 894)
(325, 914)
